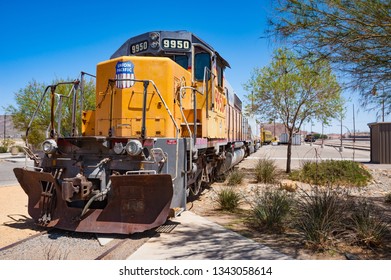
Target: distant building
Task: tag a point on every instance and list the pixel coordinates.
(334, 136)
(278, 128)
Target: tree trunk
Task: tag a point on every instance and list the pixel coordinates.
(289, 153)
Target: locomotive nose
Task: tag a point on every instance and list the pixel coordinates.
(136, 203)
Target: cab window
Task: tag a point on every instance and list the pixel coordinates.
(182, 60)
(220, 75)
(202, 60)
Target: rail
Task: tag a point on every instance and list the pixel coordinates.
(346, 144)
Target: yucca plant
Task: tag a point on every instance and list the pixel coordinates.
(271, 208)
(266, 171)
(235, 178)
(228, 199)
(319, 215)
(369, 230)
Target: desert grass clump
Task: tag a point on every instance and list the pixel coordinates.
(266, 171)
(235, 178)
(271, 209)
(228, 199)
(319, 216)
(368, 228)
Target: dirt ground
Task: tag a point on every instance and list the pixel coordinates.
(15, 223)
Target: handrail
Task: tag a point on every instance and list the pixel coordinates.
(146, 83)
(205, 88)
(194, 107)
(35, 113)
(158, 93)
(51, 126)
(192, 143)
(58, 109)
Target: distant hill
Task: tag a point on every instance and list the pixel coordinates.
(9, 129)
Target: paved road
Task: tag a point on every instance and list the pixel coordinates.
(7, 164)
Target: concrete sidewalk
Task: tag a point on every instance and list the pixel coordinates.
(192, 237)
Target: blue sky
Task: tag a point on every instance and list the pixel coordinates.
(45, 40)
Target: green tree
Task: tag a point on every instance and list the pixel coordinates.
(355, 36)
(29, 98)
(294, 91)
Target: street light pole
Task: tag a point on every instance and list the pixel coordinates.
(374, 92)
(341, 147)
(354, 127)
(5, 119)
(383, 106)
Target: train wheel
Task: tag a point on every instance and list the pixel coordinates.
(196, 187)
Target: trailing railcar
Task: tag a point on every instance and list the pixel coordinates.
(266, 136)
(166, 122)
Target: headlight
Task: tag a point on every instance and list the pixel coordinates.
(154, 36)
(134, 147)
(49, 146)
(154, 44)
(154, 40)
(119, 148)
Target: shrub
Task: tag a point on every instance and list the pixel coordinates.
(334, 172)
(228, 199)
(266, 171)
(320, 216)
(235, 178)
(271, 208)
(6, 143)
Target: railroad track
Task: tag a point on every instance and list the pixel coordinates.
(346, 144)
(8, 247)
(63, 245)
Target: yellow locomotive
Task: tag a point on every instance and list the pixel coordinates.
(166, 121)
